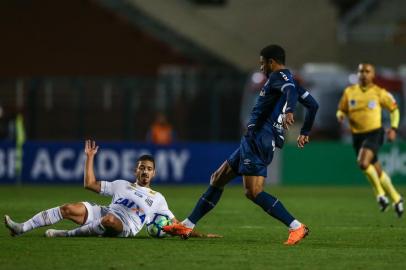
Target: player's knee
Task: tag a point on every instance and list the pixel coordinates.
(66, 210)
(109, 221)
(363, 164)
(214, 178)
(251, 194)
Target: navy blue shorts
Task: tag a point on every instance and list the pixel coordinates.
(254, 154)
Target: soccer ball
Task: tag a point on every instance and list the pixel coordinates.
(154, 226)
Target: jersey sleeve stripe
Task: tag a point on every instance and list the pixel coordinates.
(305, 95)
(286, 85)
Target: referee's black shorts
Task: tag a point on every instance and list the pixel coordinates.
(372, 140)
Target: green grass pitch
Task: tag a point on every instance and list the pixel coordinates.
(347, 232)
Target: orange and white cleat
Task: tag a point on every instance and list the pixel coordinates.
(178, 229)
(295, 236)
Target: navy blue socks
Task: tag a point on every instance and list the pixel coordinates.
(207, 202)
(274, 207)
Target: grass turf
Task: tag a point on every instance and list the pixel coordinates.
(347, 232)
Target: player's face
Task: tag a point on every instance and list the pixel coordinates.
(265, 65)
(144, 172)
(366, 74)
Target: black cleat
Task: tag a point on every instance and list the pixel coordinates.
(399, 207)
(383, 203)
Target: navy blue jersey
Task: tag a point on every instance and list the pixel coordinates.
(279, 96)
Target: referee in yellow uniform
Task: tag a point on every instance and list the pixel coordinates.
(362, 103)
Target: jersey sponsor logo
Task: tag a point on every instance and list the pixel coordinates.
(247, 161)
(125, 202)
(132, 206)
(371, 104)
(284, 76)
(262, 93)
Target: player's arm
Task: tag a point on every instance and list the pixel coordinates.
(394, 123)
(389, 102)
(291, 100)
(342, 108)
(311, 106)
(89, 177)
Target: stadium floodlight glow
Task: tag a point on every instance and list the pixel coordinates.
(257, 77)
(352, 78)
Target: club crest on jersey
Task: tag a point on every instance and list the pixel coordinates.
(284, 76)
(262, 93)
(149, 201)
(371, 104)
(353, 102)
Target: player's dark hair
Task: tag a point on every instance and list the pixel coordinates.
(274, 52)
(146, 157)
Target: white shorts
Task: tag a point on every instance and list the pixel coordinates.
(96, 212)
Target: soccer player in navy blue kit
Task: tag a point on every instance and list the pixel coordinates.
(271, 115)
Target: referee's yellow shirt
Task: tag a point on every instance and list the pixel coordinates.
(363, 106)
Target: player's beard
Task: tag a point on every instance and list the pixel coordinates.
(144, 180)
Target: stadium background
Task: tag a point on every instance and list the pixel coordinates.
(102, 69)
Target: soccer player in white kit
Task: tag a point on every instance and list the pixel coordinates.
(131, 206)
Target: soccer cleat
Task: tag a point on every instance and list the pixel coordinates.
(399, 207)
(295, 236)
(50, 233)
(15, 228)
(383, 203)
(178, 229)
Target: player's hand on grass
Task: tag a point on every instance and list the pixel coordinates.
(288, 120)
(302, 140)
(91, 148)
(391, 134)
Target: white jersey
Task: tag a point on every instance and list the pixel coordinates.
(133, 204)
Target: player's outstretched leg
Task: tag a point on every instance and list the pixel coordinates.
(44, 218)
(207, 202)
(221, 177)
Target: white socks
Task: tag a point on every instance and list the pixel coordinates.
(44, 218)
(93, 228)
(188, 223)
(295, 225)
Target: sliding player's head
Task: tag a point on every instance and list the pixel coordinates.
(366, 73)
(145, 170)
(271, 58)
